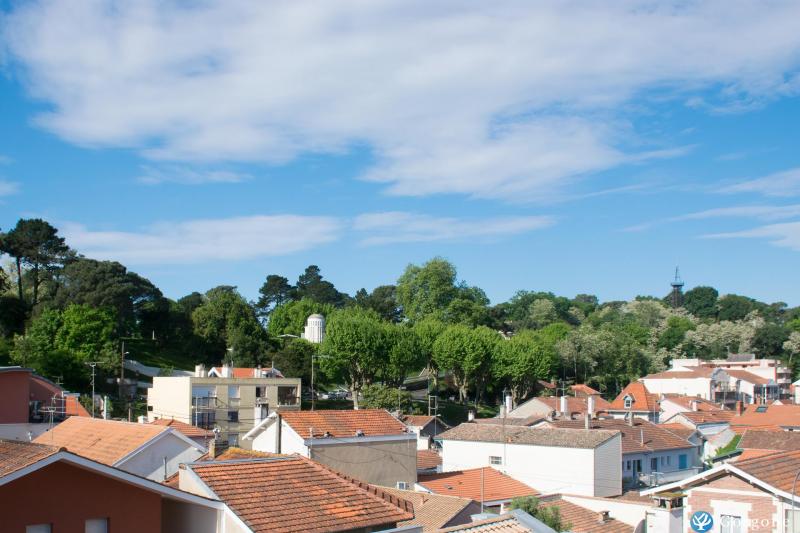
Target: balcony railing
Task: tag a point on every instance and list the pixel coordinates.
(654, 479)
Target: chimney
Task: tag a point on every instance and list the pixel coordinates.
(602, 517)
(587, 421)
(226, 370)
(694, 403)
(630, 419)
(509, 403)
(641, 436)
(590, 405)
(212, 447)
(257, 372)
(199, 371)
(563, 407)
(739, 407)
(503, 413)
(470, 416)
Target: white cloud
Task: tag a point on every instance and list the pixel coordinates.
(7, 188)
(397, 226)
(197, 241)
(785, 183)
(510, 100)
(766, 213)
(786, 235)
(154, 175)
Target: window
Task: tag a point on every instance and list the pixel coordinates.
(39, 528)
(761, 409)
(669, 460)
(233, 392)
(287, 395)
(653, 464)
(628, 402)
(663, 461)
(495, 460)
(233, 439)
(629, 465)
(149, 407)
(730, 523)
(97, 525)
(402, 485)
(233, 416)
(638, 465)
(258, 392)
(682, 461)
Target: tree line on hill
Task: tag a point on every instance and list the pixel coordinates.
(60, 310)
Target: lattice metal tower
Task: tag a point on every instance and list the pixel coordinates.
(676, 298)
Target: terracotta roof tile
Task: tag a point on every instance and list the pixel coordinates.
(707, 417)
(777, 469)
(344, 423)
(690, 403)
(684, 373)
(234, 453)
(422, 421)
(509, 421)
(432, 511)
(767, 417)
(643, 436)
(567, 438)
(770, 440)
(678, 429)
(72, 407)
(643, 399)
(752, 454)
(467, 484)
(581, 388)
(505, 523)
(578, 405)
(295, 494)
(427, 459)
(583, 520)
(245, 372)
(104, 441)
(15, 455)
(187, 429)
(744, 375)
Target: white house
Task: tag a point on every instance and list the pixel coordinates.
(572, 461)
(369, 444)
(672, 404)
(425, 427)
(147, 450)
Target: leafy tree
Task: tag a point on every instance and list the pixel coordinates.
(701, 302)
(675, 332)
(275, 291)
(382, 300)
(355, 345)
(768, 340)
(792, 346)
(88, 334)
(542, 313)
(4, 284)
(551, 516)
(378, 396)
(523, 360)
(426, 291)
(290, 318)
(734, 307)
(226, 320)
(405, 354)
(711, 341)
(467, 353)
(12, 315)
(428, 331)
(311, 285)
(294, 359)
(35, 244)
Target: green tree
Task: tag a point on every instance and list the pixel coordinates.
(428, 331)
(294, 359)
(355, 346)
(311, 285)
(405, 354)
(426, 291)
(467, 353)
(275, 291)
(378, 396)
(769, 339)
(701, 302)
(382, 300)
(523, 360)
(290, 318)
(551, 516)
(35, 244)
(733, 307)
(88, 334)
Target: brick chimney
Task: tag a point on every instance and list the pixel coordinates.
(739, 407)
(694, 403)
(602, 517)
(590, 405)
(563, 407)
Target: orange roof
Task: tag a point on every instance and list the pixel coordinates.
(344, 423)
(72, 407)
(583, 520)
(753, 453)
(428, 459)
(643, 399)
(244, 372)
(434, 511)
(690, 372)
(187, 429)
(297, 494)
(690, 403)
(767, 417)
(104, 441)
(240, 453)
(504, 523)
(744, 375)
(678, 429)
(15, 455)
(574, 405)
(584, 389)
(643, 436)
(467, 484)
(777, 469)
(759, 439)
(707, 417)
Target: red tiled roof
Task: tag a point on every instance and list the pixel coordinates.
(678, 429)
(643, 399)
(752, 454)
(689, 372)
(72, 407)
(344, 423)
(582, 520)
(581, 388)
(104, 441)
(578, 405)
(690, 403)
(759, 439)
(744, 375)
(244, 372)
(467, 484)
(295, 494)
(434, 511)
(416, 420)
(643, 436)
(504, 523)
(767, 417)
(777, 469)
(707, 417)
(187, 429)
(15, 455)
(428, 459)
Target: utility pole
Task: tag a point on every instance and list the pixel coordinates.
(92, 364)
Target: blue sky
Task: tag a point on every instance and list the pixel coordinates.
(544, 146)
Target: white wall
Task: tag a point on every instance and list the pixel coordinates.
(631, 513)
(170, 397)
(20, 431)
(545, 468)
(149, 462)
(291, 442)
(686, 386)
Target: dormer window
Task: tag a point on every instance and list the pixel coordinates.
(628, 402)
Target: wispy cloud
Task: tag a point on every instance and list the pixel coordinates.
(513, 101)
(7, 188)
(784, 183)
(398, 227)
(196, 241)
(785, 235)
(152, 175)
(766, 213)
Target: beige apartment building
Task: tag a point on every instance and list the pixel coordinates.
(230, 400)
